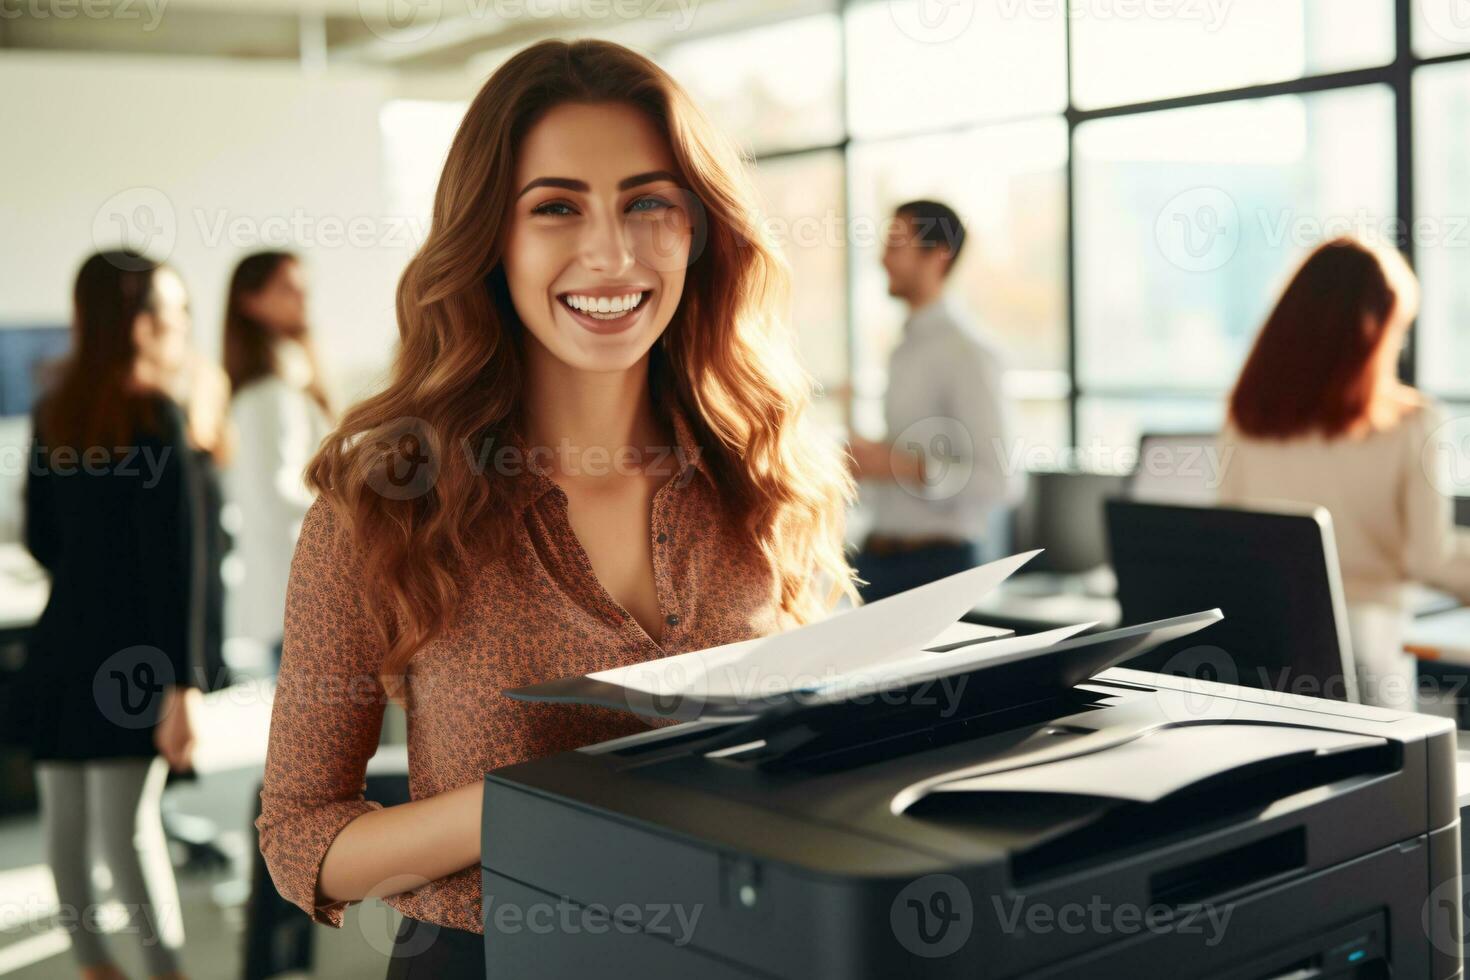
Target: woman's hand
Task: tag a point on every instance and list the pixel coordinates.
(174, 734)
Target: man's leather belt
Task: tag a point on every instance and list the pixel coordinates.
(888, 544)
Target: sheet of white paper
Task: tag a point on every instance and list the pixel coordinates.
(1149, 768)
(915, 666)
(963, 632)
(814, 655)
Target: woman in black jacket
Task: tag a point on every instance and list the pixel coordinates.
(113, 511)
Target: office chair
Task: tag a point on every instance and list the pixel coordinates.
(1274, 573)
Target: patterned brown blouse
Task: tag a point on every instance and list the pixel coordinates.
(535, 613)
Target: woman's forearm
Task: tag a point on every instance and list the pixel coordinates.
(399, 848)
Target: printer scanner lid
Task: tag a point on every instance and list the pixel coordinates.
(1000, 671)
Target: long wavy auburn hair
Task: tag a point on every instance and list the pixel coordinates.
(1315, 366)
(727, 358)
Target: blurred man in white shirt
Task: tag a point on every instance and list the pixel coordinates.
(936, 481)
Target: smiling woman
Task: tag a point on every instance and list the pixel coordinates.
(595, 290)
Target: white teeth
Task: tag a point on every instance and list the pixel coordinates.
(605, 307)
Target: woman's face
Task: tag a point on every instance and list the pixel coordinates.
(599, 235)
(161, 335)
(280, 304)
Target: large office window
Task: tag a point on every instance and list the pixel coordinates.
(917, 65)
(1129, 53)
(1442, 231)
(1188, 221)
(1134, 208)
(804, 211)
(774, 87)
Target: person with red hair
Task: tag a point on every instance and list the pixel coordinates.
(1319, 416)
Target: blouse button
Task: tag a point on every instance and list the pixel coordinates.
(672, 620)
(662, 537)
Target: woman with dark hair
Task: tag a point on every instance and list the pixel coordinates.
(113, 512)
(592, 452)
(1319, 416)
(280, 415)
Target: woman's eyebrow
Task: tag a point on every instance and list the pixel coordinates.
(566, 183)
(570, 184)
(648, 178)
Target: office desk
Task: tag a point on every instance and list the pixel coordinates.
(1443, 637)
(1033, 601)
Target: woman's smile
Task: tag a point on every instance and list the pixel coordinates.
(603, 312)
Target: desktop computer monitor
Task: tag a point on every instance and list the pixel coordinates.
(1273, 573)
(1176, 468)
(24, 353)
(1063, 514)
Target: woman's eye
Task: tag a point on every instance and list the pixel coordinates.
(553, 208)
(650, 204)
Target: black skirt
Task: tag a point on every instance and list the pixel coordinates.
(427, 951)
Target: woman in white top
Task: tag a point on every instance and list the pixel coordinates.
(1319, 416)
(281, 414)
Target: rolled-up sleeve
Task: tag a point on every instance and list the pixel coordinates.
(327, 715)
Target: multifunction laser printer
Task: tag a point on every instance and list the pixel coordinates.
(1041, 814)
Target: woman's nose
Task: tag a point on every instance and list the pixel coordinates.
(606, 246)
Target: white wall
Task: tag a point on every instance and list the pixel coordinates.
(214, 155)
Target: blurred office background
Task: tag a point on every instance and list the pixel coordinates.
(1137, 179)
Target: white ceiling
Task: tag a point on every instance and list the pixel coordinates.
(433, 35)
